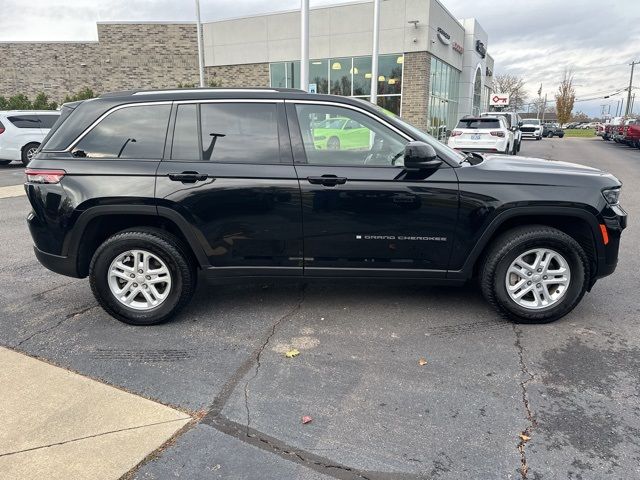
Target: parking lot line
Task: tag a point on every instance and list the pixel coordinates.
(58, 424)
(12, 191)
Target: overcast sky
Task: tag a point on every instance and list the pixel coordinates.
(536, 40)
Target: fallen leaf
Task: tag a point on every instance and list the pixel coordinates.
(306, 419)
(422, 361)
(292, 353)
(524, 438)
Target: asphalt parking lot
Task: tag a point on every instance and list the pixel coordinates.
(572, 386)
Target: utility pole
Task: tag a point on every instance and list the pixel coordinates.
(304, 46)
(200, 52)
(544, 108)
(374, 52)
(633, 64)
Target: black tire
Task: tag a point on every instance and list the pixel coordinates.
(538, 138)
(27, 150)
(517, 241)
(550, 135)
(4, 162)
(166, 247)
(561, 135)
(333, 143)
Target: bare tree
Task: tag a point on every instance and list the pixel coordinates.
(514, 86)
(565, 98)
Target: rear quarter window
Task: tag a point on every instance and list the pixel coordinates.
(47, 121)
(25, 121)
(479, 123)
(133, 132)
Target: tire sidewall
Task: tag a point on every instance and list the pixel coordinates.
(99, 272)
(573, 294)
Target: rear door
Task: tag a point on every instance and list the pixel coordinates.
(228, 170)
(363, 213)
(477, 131)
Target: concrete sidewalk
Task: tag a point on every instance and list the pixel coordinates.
(56, 424)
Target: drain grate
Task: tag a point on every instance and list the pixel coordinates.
(138, 355)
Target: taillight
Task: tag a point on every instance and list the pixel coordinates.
(497, 134)
(455, 133)
(1, 129)
(35, 175)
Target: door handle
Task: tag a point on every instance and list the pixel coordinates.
(327, 180)
(187, 177)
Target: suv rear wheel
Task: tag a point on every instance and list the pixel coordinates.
(28, 151)
(142, 277)
(534, 274)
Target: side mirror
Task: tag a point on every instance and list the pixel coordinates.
(420, 156)
(520, 124)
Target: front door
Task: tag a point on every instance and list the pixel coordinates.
(361, 209)
(229, 172)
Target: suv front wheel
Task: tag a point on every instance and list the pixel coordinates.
(142, 277)
(534, 274)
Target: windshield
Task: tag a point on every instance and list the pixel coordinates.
(531, 121)
(441, 149)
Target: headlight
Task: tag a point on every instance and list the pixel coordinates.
(611, 195)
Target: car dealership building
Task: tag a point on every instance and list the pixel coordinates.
(433, 68)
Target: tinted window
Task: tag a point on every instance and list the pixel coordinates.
(341, 136)
(240, 132)
(531, 121)
(185, 134)
(479, 123)
(131, 132)
(47, 121)
(25, 121)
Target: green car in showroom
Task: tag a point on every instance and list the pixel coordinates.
(339, 133)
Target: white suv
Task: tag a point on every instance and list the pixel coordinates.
(483, 134)
(514, 122)
(22, 131)
(531, 128)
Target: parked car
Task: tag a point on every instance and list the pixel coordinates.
(553, 130)
(601, 129)
(142, 191)
(340, 134)
(631, 133)
(531, 128)
(514, 121)
(483, 134)
(21, 132)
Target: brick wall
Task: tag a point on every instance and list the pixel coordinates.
(126, 56)
(415, 88)
(249, 75)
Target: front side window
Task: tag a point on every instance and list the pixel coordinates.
(239, 132)
(342, 136)
(130, 132)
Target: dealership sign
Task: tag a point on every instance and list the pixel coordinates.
(444, 37)
(457, 48)
(499, 100)
(481, 48)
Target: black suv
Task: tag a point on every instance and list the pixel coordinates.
(143, 190)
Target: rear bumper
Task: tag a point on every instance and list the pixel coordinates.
(58, 264)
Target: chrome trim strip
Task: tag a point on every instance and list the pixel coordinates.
(353, 107)
(105, 115)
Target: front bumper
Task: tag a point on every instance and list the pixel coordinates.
(615, 221)
(535, 134)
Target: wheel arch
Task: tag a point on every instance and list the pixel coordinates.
(579, 224)
(98, 223)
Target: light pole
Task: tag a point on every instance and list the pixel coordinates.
(200, 52)
(374, 52)
(304, 46)
(628, 111)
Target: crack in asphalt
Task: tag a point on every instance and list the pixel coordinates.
(258, 356)
(55, 325)
(525, 435)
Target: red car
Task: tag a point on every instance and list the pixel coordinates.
(631, 133)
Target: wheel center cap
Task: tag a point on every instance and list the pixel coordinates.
(140, 279)
(536, 278)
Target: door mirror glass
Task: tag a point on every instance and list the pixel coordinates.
(420, 156)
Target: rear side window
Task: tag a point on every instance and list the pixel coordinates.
(47, 121)
(239, 132)
(479, 123)
(185, 134)
(131, 132)
(25, 121)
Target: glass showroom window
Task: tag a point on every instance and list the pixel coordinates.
(443, 101)
(477, 92)
(347, 76)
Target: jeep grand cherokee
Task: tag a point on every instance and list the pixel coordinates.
(143, 191)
